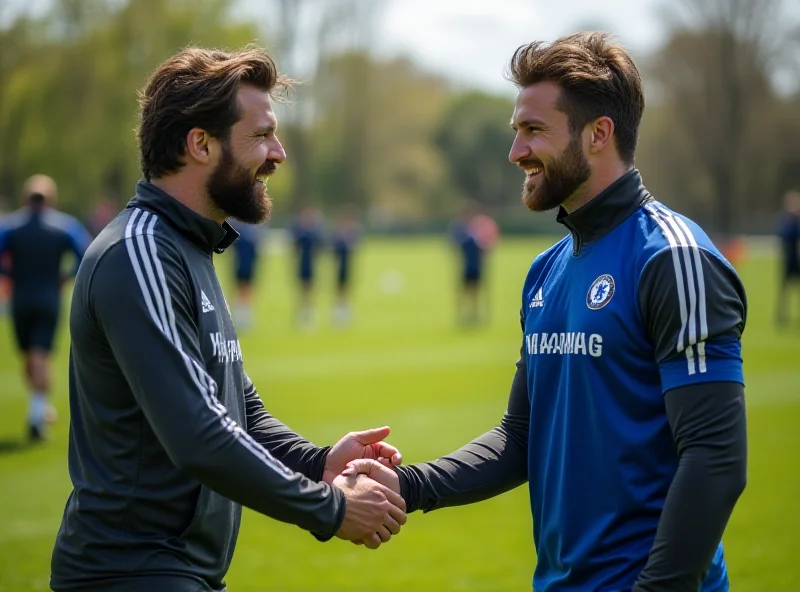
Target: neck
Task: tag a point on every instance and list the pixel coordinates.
(599, 180)
(190, 193)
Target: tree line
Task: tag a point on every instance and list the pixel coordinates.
(720, 139)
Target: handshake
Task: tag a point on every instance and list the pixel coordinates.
(362, 466)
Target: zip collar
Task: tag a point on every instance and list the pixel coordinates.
(607, 210)
(203, 232)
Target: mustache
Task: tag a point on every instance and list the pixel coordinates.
(268, 168)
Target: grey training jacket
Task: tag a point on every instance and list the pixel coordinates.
(168, 436)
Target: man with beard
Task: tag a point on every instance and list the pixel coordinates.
(626, 414)
(169, 437)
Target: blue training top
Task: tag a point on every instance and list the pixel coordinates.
(612, 321)
(37, 240)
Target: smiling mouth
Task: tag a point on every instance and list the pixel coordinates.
(533, 171)
(262, 179)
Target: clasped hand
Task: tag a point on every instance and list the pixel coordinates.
(361, 465)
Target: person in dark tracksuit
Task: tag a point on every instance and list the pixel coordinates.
(35, 240)
(308, 239)
(346, 235)
(169, 437)
(247, 250)
(626, 415)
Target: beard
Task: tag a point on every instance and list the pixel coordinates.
(561, 178)
(234, 191)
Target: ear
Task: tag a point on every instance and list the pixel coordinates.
(601, 134)
(198, 145)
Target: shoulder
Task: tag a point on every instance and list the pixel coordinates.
(14, 219)
(684, 278)
(61, 221)
(134, 243)
(669, 235)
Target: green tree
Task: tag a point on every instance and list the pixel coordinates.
(68, 98)
(474, 139)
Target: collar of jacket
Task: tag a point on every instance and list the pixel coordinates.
(606, 211)
(205, 233)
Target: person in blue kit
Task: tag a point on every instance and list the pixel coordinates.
(473, 236)
(627, 411)
(308, 240)
(470, 269)
(346, 236)
(35, 240)
(789, 235)
(246, 249)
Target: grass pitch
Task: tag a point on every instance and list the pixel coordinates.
(406, 364)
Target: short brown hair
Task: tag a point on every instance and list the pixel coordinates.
(196, 88)
(597, 78)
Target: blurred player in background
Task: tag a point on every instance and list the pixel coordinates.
(307, 235)
(247, 250)
(33, 243)
(346, 235)
(789, 236)
(474, 236)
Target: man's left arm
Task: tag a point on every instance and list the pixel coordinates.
(287, 446)
(694, 307)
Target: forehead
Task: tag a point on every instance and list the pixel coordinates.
(255, 107)
(537, 102)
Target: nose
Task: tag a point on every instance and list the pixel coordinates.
(276, 152)
(519, 150)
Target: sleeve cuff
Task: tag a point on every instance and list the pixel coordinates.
(324, 537)
(318, 467)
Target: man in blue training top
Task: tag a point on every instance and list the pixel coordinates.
(35, 239)
(626, 414)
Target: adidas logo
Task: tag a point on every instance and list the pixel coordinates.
(537, 301)
(205, 302)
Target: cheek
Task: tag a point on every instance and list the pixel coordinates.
(253, 156)
(258, 154)
(542, 149)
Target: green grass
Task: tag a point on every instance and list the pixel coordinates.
(405, 364)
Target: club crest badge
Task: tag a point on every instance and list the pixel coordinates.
(601, 292)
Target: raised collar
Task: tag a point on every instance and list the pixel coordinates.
(205, 233)
(606, 211)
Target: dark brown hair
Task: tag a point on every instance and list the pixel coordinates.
(196, 88)
(597, 78)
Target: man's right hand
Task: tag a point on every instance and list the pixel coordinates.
(373, 512)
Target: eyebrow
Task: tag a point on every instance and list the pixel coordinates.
(527, 123)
